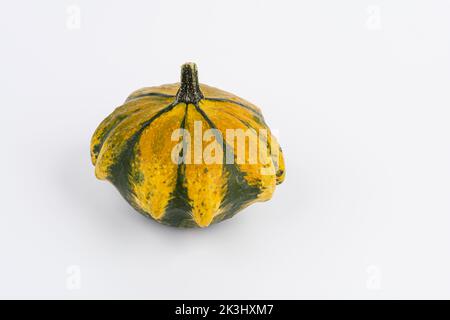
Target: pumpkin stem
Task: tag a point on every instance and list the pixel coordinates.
(189, 91)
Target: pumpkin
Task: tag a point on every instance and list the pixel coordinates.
(142, 148)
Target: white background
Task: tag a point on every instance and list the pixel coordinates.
(358, 90)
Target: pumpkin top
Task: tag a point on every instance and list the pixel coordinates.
(189, 91)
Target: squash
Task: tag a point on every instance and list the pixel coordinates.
(151, 149)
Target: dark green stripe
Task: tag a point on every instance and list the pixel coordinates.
(119, 172)
(179, 211)
(239, 192)
(150, 94)
(279, 172)
(105, 133)
(110, 127)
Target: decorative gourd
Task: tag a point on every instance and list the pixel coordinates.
(145, 149)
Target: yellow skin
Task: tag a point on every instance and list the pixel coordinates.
(133, 147)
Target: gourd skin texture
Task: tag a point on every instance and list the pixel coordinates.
(132, 148)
